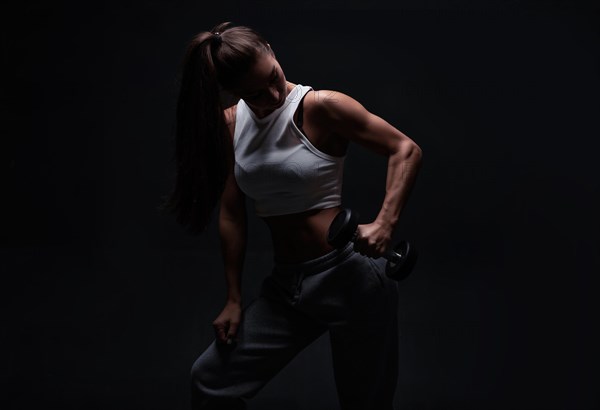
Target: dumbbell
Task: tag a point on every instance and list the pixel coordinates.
(400, 260)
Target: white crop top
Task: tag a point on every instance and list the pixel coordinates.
(278, 167)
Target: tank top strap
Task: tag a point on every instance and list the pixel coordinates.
(300, 105)
(296, 98)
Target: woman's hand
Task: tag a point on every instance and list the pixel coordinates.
(226, 324)
(373, 239)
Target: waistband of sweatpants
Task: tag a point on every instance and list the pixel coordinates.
(318, 264)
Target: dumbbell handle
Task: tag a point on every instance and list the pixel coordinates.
(391, 255)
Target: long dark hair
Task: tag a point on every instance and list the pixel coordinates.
(203, 146)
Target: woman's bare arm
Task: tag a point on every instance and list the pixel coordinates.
(233, 235)
(347, 118)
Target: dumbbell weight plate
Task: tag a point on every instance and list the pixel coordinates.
(342, 228)
(402, 269)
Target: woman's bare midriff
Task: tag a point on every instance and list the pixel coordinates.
(301, 237)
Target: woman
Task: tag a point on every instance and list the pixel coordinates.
(283, 144)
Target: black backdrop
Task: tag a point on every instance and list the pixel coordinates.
(106, 303)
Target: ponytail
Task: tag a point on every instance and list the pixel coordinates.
(203, 146)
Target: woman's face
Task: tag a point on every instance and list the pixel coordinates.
(264, 87)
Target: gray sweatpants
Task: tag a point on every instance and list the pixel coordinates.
(342, 292)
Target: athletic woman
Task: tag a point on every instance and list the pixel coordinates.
(283, 145)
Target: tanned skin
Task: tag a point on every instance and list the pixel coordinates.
(331, 120)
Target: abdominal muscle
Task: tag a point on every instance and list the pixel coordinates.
(302, 236)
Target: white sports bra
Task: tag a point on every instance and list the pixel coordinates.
(278, 167)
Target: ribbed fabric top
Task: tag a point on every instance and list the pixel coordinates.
(278, 167)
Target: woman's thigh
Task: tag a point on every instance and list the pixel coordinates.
(271, 333)
(359, 303)
(354, 294)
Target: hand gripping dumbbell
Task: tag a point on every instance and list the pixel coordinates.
(400, 260)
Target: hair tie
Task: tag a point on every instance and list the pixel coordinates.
(217, 37)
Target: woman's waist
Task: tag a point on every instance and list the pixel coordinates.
(302, 236)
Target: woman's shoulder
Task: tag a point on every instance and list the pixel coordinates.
(230, 113)
(330, 104)
(329, 99)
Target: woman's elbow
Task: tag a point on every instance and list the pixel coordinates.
(417, 153)
(410, 151)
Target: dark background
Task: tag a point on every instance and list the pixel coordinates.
(106, 303)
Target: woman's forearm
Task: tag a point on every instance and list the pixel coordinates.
(403, 165)
(233, 249)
